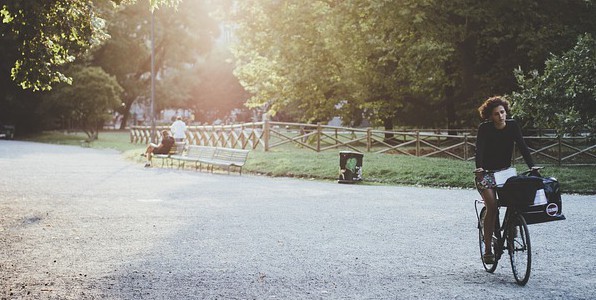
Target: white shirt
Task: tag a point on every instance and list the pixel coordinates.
(178, 128)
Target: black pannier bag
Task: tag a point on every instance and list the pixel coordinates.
(528, 193)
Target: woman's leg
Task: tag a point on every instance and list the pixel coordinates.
(148, 154)
(490, 202)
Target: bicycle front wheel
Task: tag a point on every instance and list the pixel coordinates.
(518, 243)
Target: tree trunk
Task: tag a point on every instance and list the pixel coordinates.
(126, 114)
(450, 110)
(389, 136)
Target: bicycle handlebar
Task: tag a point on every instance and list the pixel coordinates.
(534, 169)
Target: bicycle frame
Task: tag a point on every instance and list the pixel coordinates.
(500, 227)
(500, 231)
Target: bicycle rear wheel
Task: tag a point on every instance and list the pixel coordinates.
(518, 244)
(488, 267)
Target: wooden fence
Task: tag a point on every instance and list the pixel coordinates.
(455, 144)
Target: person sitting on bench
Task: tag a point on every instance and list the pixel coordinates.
(163, 148)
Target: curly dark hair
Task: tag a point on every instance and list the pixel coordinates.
(487, 107)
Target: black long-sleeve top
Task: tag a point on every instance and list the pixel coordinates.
(494, 147)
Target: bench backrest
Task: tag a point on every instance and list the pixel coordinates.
(200, 152)
(193, 151)
(237, 156)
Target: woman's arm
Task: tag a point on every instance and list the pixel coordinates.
(480, 144)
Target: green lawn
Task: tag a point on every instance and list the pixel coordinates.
(118, 140)
(291, 161)
(400, 169)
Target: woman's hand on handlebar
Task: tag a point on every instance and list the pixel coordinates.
(534, 171)
(479, 172)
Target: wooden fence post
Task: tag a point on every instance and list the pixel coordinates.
(560, 150)
(368, 139)
(225, 136)
(336, 136)
(266, 133)
(200, 136)
(417, 143)
(255, 137)
(465, 146)
(242, 137)
(319, 129)
(214, 136)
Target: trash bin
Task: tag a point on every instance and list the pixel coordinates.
(7, 132)
(350, 167)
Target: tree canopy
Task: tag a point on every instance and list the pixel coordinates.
(51, 34)
(405, 62)
(86, 104)
(413, 62)
(183, 37)
(563, 96)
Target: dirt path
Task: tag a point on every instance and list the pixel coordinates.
(85, 224)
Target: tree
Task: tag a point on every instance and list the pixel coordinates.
(183, 36)
(393, 59)
(488, 39)
(284, 59)
(564, 95)
(51, 34)
(319, 59)
(126, 54)
(395, 69)
(216, 91)
(17, 106)
(87, 103)
(388, 59)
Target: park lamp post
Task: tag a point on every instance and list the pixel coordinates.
(153, 135)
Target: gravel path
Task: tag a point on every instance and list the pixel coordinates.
(81, 223)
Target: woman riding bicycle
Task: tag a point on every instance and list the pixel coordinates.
(494, 149)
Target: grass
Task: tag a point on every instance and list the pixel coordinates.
(291, 161)
(399, 169)
(117, 140)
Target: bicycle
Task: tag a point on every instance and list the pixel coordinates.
(512, 234)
